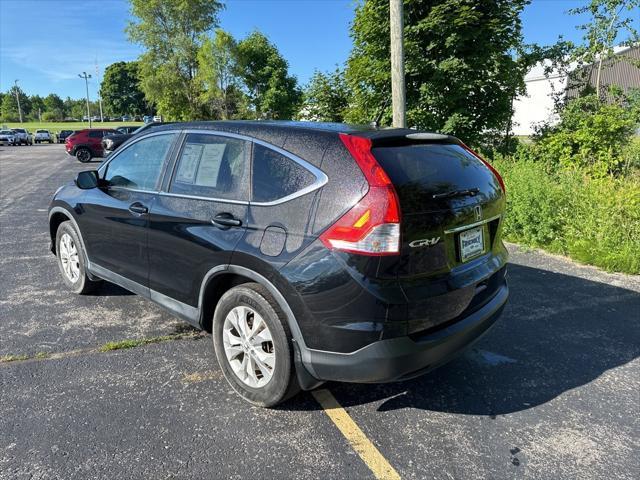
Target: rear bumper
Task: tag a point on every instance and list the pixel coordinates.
(407, 357)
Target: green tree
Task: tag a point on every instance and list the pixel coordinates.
(120, 89)
(609, 21)
(54, 106)
(273, 93)
(218, 73)
(37, 107)
(326, 97)
(461, 66)
(75, 108)
(9, 109)
(172, 33)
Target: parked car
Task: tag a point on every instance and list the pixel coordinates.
(8, 137)
(22, 136)
(43, 136)
(112, 142)
(63, 134)
(126, 118)
(147, 119)
(127, 129)
(86, 144)
(347, 254)
(157, 118)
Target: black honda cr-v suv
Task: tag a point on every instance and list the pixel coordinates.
(312, 252)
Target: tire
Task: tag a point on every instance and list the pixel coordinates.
(73, 270)
(270, 345)
(83, 155)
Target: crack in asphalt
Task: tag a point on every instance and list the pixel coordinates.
(126, 344)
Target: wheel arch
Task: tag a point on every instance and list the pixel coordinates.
(222, 276)
(57, 215)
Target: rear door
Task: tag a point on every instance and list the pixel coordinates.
(451, 204)
(201, 214)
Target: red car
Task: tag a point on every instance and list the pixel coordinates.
(86, 144)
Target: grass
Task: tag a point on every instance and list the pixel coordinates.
(13, 358)
(133, 343)
(593, 221)
(107, 347)
(55, 127)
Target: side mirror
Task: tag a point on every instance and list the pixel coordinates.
(87, 179)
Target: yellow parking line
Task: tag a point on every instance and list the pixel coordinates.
(368, 452)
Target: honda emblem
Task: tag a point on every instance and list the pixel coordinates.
(477, 210)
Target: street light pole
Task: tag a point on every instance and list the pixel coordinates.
(18, 100)
(398, 96)
(86, 82)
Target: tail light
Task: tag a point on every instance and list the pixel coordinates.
(372, 226)
(489, 166)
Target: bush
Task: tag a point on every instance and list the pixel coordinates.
(595, 221)
(591, 135)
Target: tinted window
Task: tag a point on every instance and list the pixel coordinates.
(276, 176)
(96, 134)
(139, 165)
(426, 164)
(212, 166)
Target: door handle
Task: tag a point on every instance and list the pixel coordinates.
(138, 208)
(226, 220)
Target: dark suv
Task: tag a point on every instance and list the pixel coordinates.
(312, 252)
(86, 144)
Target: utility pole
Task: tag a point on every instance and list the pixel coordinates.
(398, 97)
(17, 90)
(86, 82)
(99, 94)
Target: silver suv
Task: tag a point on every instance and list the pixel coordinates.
(22, 137)
(7, 137)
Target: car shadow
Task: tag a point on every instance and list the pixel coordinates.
(108, 289)
(558, 332)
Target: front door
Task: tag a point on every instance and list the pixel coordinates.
(115, 217)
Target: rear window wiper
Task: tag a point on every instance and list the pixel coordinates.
(467, 192)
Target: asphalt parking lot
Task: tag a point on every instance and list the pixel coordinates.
(553, 391)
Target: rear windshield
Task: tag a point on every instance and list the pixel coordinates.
(425, 173)
(42, 131)
(425, 164)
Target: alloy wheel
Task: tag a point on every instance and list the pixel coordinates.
(248, 346)
(83, 155)
(69, 258)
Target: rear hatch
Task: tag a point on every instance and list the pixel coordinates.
(452, 205)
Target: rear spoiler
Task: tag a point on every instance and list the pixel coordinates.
(404, 136)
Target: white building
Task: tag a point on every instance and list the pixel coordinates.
(537, 106)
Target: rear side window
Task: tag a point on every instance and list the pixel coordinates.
(95, 134)
(276, 176)
(212, 166)
(138, 166)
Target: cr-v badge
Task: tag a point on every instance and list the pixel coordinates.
(425, 242)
